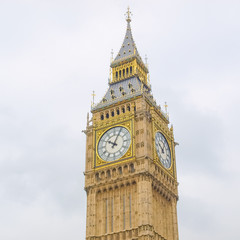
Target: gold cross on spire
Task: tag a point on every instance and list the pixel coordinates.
(128, 15)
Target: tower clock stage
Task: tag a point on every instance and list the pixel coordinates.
(114, 143)
(130, 175)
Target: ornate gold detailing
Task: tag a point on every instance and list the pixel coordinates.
(166, 108)
(167, 134)
(128, 15)
(98, 162)
(128, 54)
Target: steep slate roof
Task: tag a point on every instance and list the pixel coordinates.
(120, 91)
(131, 87)
(128, 49)
(128, 45)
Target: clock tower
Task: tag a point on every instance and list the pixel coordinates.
(130, 176)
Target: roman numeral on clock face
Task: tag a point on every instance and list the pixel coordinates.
(116, 142)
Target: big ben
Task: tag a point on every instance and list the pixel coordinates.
(130, 175)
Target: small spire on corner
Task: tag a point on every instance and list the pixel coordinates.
(166, 108)
(128, 15)
(112, 55)
(93, 95)
(146, 59)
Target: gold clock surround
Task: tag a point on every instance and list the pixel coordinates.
(169, 138)
(128, 156)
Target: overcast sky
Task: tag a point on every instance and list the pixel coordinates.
(54, 53)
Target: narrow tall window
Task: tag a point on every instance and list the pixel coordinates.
(130, 70)
(112, 216)
(130, 211)
(97, 177)
(132, 168)
(123, 212)
(106, 216)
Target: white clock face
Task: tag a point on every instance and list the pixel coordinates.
(114, 143)
(163, 150)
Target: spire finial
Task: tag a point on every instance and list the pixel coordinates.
(93, 95)
(128, 15)
(166, 108)
(112, 55)
(146, 58)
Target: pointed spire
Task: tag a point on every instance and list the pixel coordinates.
(128, 62)
(128, 48)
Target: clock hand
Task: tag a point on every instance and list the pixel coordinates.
(116, 138)
(112, 143)
(161, 147)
